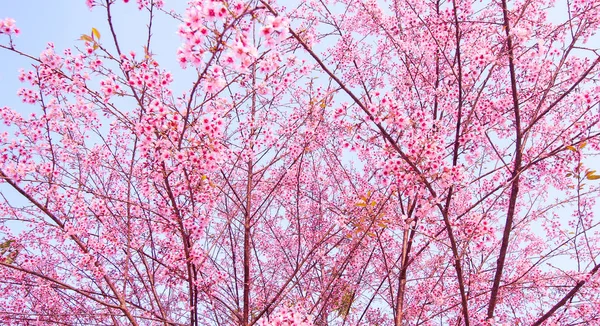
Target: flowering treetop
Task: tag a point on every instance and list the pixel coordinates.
(333, 162)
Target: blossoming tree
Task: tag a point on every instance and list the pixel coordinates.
(334, 162)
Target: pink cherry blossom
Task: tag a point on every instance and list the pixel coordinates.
(303, 163)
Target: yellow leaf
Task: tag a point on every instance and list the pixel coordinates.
(373, 203)
(593, 177)
(6, 243)
(361, 204)
(345, 303)
(571, 148)
(582, 145)
(95, 33)
(86, 38)
(365, 198)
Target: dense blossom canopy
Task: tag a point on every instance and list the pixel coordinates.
(333, 162)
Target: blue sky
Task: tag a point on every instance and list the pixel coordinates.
(63, 22)
(38, 23)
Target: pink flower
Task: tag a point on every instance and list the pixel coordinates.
(7, 26)
(214, 85)
(279, 23)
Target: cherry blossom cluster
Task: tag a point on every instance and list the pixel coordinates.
(318, 162)
(8, 26)
(275, 30)
(199, 31)
(286, 317)
(146, 74)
